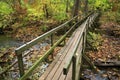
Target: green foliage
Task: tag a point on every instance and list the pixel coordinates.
(44, 28)
(94, 40)
(5, 8)
(100, 4)
(60, 16)
(55, 9)
(5, 20)
(113, 16)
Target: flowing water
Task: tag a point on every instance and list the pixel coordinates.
(7, 42)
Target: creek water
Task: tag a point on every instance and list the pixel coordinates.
(7, 42)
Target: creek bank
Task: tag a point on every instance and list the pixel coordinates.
(108, 51)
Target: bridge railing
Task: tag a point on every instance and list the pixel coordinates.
(19, 51)
(76, 55)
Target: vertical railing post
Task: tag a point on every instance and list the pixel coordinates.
(20, 63)
(83, 43)
(52, 43)
(51, 37)
(65, 37)
(74, 67)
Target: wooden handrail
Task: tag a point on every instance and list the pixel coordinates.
(69, 59)
(46, 54)
(40, 38)
(72, 56)
(26, 46)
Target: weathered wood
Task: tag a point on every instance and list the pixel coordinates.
(41, 59)
(40, 38)
(19, 50)
(69, 59)
(46, 54)
(52, 43)
(78, 60)
(56, 71)
(59, 67)
(90, 63)
(108, 64)
(51, 37)
(73, 48)
(10, 66)
(74, 67)
(20, 64)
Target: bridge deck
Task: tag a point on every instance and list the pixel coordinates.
(55, 70)
(67, 63)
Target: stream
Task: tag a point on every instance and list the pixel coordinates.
(7, 42)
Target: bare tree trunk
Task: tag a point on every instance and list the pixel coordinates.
(76, 7)
(45, 9)
(86, 7)
(67, 4)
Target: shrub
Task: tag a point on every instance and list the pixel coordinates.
(94, 40)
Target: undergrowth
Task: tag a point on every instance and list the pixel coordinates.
(94, 40)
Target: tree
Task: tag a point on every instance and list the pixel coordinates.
(67, 5)
(76, 7)
(86, 7)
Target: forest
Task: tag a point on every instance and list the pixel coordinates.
(22, 21)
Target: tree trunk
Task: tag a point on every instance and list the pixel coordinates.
(86, 7)
(76, 7)
(67, 4)
(45, 9)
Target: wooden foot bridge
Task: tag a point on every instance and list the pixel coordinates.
(67, 63)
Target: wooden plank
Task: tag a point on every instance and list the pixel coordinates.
(62, 76)
(53, 63)
(53, 75)
(108, 64)
(78, 61)
(59, 70)
(69, 75)
(46, 54)
(46, 73)
(59, 64)
(69, 59)
(79, 50)
(41, 59)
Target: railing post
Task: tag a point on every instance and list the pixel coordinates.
(74, 67)
(52, 43)
(51, 37)
(83, 43)
(20, 64)
(65, 37)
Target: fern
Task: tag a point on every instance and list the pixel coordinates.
(94, 40)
